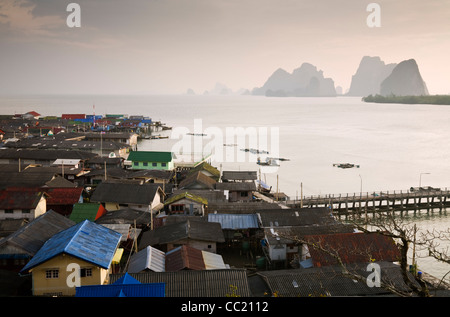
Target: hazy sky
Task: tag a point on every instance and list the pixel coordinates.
(168, 46)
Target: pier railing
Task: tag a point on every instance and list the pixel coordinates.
(390, 200)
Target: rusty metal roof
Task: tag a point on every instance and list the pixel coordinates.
(184, 257)
(20, 198)
(353, 248)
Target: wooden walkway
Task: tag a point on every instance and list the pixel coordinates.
(360, 203)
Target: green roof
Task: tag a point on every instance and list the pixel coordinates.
(89, 211)
(186, 195)
(150, 156)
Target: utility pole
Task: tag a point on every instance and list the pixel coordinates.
(301, 195)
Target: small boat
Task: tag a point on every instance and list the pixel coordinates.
(263, 187)
(281, 159)
(255, 151)
(197, 134)
(268, 162)
(346, 165)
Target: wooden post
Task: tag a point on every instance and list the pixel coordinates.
(301, 195)
(277, 187)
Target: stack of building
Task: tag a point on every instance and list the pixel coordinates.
(73, 210)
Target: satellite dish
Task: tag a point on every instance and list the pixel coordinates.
(112, 155)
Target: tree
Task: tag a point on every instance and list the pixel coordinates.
(404, 235)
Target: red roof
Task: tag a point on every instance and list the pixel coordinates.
(353, 248)
(63, 196)
(73, 116)
(34, 113)
(20, 198)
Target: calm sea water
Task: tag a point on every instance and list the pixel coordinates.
(396, 146)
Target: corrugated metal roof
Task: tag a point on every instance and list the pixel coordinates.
(239, 175)
(213, 261)
(125, 193)
(123, 229)
(86, 240)
(126, 286)
(235, 221)
(126, 215)
(32, 236)
(195, 230)
(150, 156)
(135, 290)
(63, 196)
(353, 248)
(147, 259)
(184, 257)
(238, 186)
(329, 281)
(20, 198)
(89, 211)
(204, 283)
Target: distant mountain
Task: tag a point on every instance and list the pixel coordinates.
(369, 75)
(304, 81)
(405, 80)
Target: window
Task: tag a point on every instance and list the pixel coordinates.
(25, 211)
(9, 211)
(154, 164)
(244, 194)
(86, 272)
(163, 164)
(136, 163)
(53, 273)
(145, 164)
(177, 208)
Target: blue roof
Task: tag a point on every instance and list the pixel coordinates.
(127, 279)
(126, 286)
(235, 221)
(86, 240)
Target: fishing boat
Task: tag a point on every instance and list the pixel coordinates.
(346, 165)
(255, 151)
(263, 187)
(268, 162)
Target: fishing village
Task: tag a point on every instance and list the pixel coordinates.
(85, 213)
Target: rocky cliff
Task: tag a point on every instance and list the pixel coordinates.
(369, 76)
(302, 82)
(405, 80)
